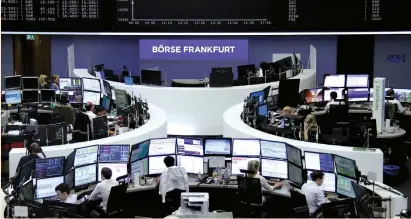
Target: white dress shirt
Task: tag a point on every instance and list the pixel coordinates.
(102, 191)
(314, 195)
(91, 116)
(264, 183)
(260, 73)
(173, 178)
(332, 102)
(399, 105)
(71, 199)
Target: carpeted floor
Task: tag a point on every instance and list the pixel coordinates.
(405, 187)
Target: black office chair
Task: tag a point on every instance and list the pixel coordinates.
(82, 128)
(250, 197)
(391, 111)
(173, 201)
(339, 113)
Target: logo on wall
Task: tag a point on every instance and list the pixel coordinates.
(396, 58)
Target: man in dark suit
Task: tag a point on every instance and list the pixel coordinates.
(34, 150)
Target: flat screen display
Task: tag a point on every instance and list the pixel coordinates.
(357, 81)
(246, 147)
(190, 146)
(156, 164)
(163, 146)
(13, 96)
(334, 81)
(191, 164)
(313, 95)
(274, 168)
(46, 187)
(86, 155)
(118, 169)
(217, 146)
(328, 182)
(30, 83)
(240, 163)
(91, 84)
(12, 82)
(139, 151)
(345, 166)
(92, 97)
(114, 153)
(358, 94)
(140, 166)
(273, 149)
(344, 186)
(339, 91)
(319, 161)
(85, 175)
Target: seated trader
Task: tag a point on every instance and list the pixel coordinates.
(254, 166)
(102, 190)
(313, 192)
(63, 194)
(390, 93)
(102, 112)
(55, 82)
(173, 181)
(333, 97)
(65, 110)
(90, 111)
(310, 128)
(260, 71)
(44, 82)
(35, 149)
(287, 111)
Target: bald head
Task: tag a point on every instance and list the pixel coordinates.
(35, 148)
(89, 106)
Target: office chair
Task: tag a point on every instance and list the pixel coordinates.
(82, 128)
(250, 197)
(173, 201)
(391, 111)
(339, 113)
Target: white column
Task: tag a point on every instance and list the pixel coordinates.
(378, 108)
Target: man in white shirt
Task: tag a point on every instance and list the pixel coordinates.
(313, 192)
(173, 180)
(90, 111)
(102, 190)
(63, 194)
(333, 97)
(391, 93)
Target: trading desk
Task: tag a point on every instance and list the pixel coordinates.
(189, 82)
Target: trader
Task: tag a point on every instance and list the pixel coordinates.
(90, 111)
(313, 192)
(391, 93)
(65, 110)
(102, 190)
(254, 167)
(102, 112)
(63, 194)
(310, 128)
(34, 150)
(55, 82)
(333, 97)
(287, 111)
(43, 82)
(173, 181)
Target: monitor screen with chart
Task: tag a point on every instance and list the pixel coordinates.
(273, 149)
(246, 147)
(191, 164)
(240, 163)
(162, 146)
(274, 168)
(217, 146)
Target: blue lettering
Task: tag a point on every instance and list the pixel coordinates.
(397, 58)
(12, 96)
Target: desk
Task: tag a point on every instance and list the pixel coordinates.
(353, 111)
(156, 127)
(368, 162)
(189, 82)
(385, 135)
(198, 111)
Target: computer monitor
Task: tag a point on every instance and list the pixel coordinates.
(140, 166)
(114, 153)
(357, 81)
(358, 94)
(217, 146)
(70, 84)
(151, 77)
(86, 155)
(294, 155)
(156, 164)
(404, 96)
(344, 186)
(191, 164)
(274, 168)
(334, 81)
(69, 164)
(162, 146)
(139, 151)
(48, 96)
(263, 110)
(273, 149)
(339, 91)
(30, 83)
(93, 97)
(31, 96)
(345, 166)
(12, 82)
(121, 98)
(328, 181)
(190, 146)
(246, 147)
(13, 96)
(69, 179)
(289, 93)
(118, 169)
(240, 163)
(258, 95)
(106, 103)
(319, 161)
(85, 175)
(243, 71)
(27, 190)
(91, 84)
(74, 96)
(222, 70)
(313, 95)
(107, 88)
(45, 188)
(49, 167)
(295, 174)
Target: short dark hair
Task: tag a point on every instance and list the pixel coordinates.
(35, 148)
(169, 161)
(89, 105)
(63, 188)
(100, 109)
(63, 98)
(106, 172)
(390, 92)
(316, 174)
(333, 95)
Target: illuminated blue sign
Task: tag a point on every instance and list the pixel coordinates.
(13, 97)
(396, 58)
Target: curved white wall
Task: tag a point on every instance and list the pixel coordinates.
(156, 127)
(198, 111)
(369, 163)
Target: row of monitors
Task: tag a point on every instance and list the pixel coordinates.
(334, 181)
(347, 80)
(68, 84)
(49, 96)
(354, 94)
